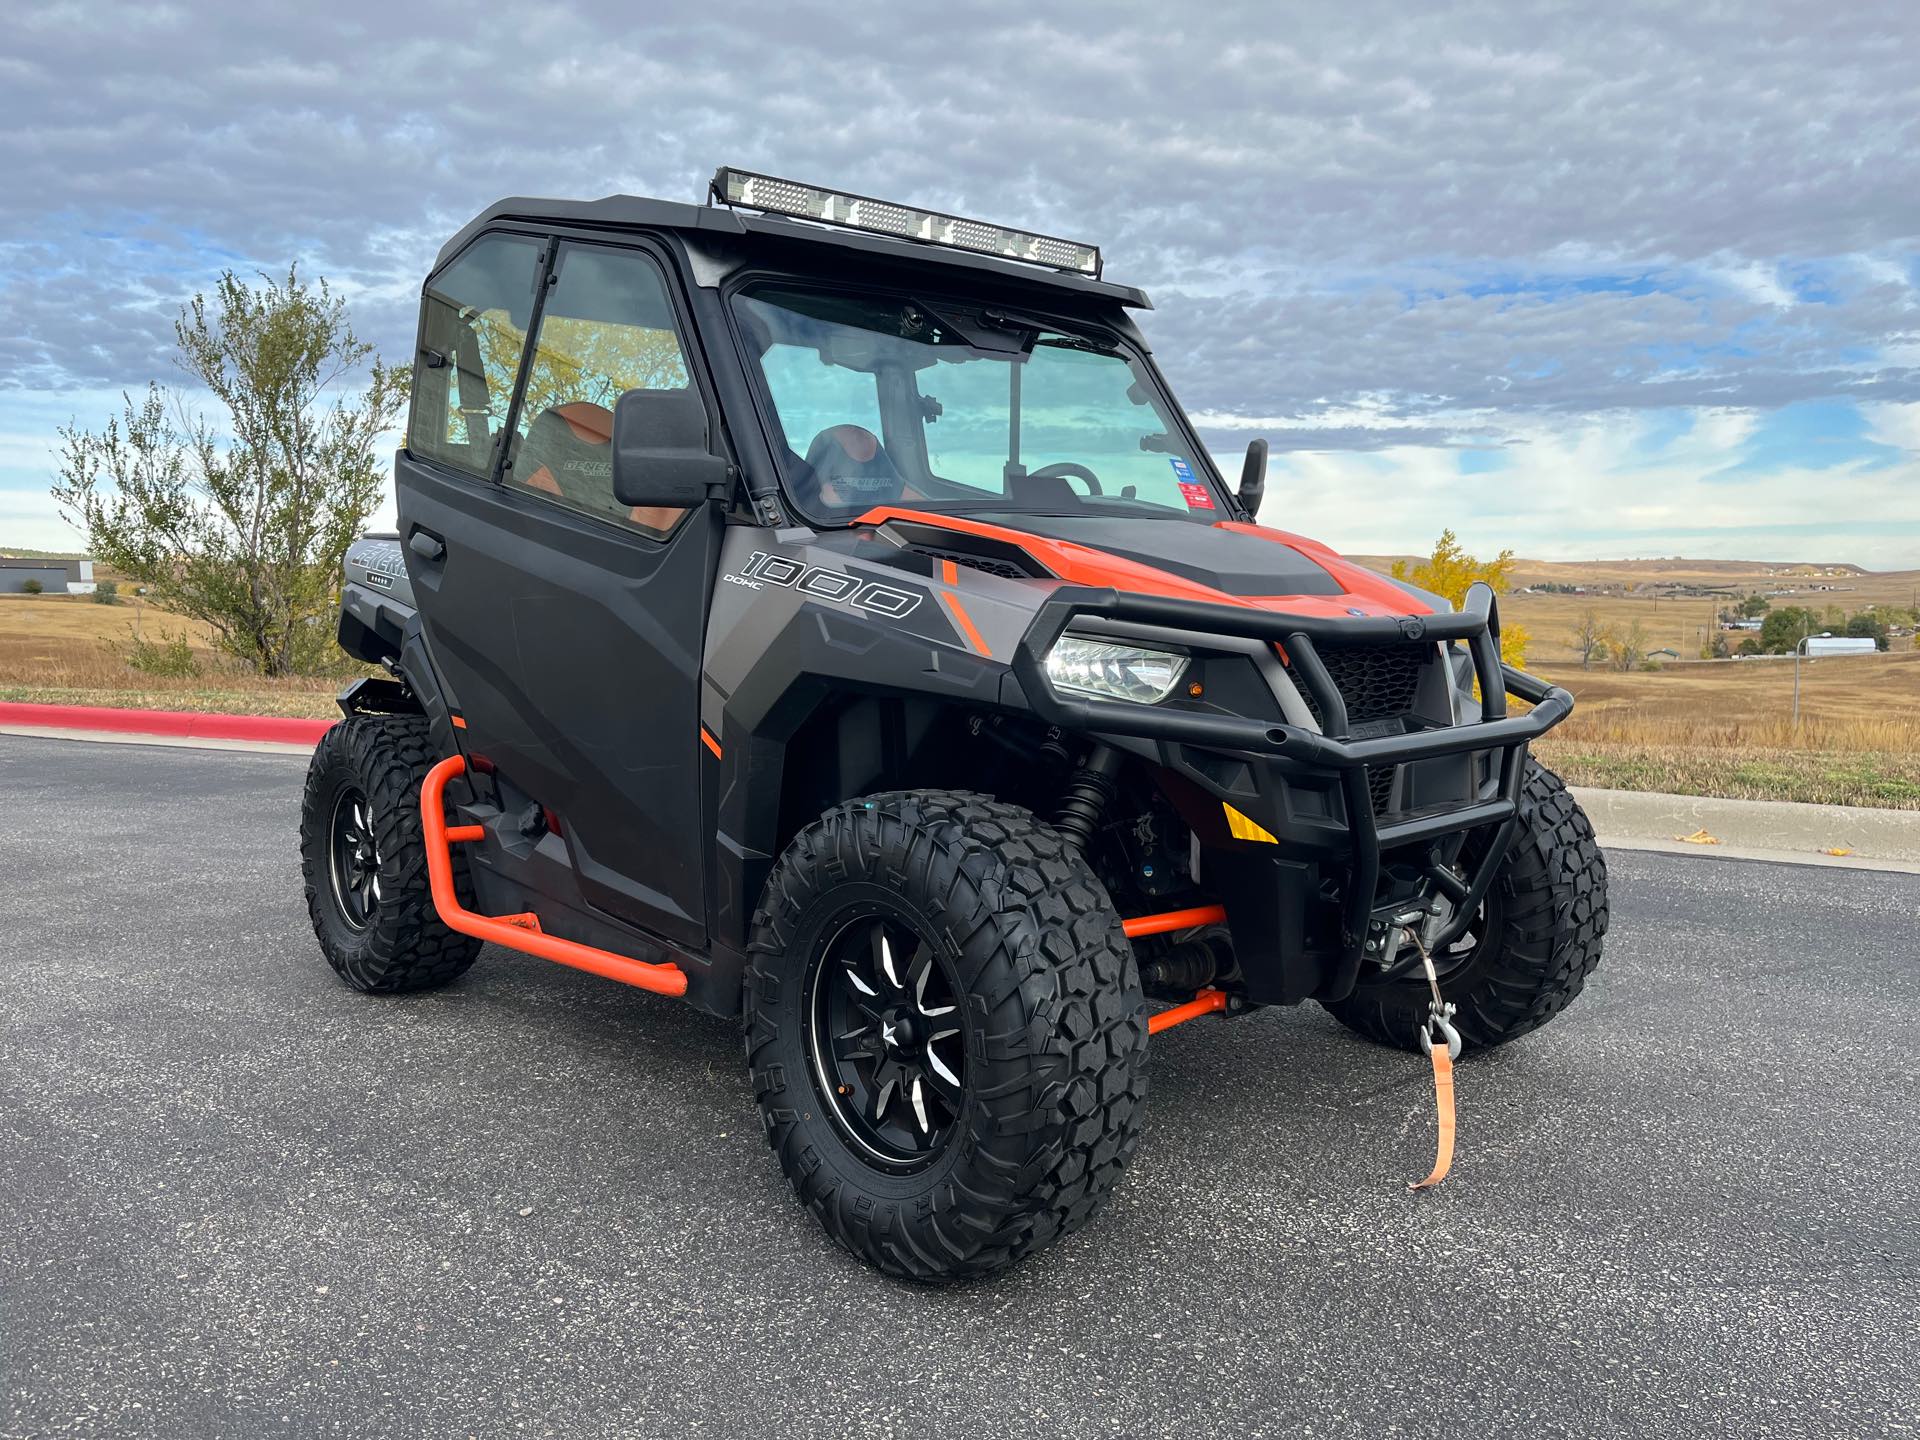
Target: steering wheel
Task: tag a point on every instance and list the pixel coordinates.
(1068, 470)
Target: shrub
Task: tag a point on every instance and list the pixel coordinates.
(31, 587)
(107, 592)
(172, 656)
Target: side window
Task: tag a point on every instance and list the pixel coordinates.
(607, 328)
(473, 328)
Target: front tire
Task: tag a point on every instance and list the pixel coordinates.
(1536, 940)
(365, 862)
(946, 1032)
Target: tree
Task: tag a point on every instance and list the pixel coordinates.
(1630, 647)
(1754, 606)
(1451, 571)
(1590, 639)
(1750, 646)
(243, 524)
(1867, 625)
(1787, 627)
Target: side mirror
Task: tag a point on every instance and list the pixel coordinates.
(661, 454)
(1253, 477)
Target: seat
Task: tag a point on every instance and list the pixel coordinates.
(851, 459)
(568, 452)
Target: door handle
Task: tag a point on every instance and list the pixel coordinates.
(427, 545)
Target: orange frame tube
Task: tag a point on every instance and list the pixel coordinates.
(521, 932)
(1207, 1002)
(1174, 920)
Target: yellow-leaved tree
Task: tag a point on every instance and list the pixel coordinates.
(1451, 571)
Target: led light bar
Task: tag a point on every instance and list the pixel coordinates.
(881, 217)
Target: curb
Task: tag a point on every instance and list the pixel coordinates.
(1843, 836)
(165, 724)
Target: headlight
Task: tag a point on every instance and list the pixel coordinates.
(1113, 671)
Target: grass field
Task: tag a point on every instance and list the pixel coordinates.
(1726, 728)
(68, 650)
(1722, 728)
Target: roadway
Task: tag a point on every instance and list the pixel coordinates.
(237, 1198)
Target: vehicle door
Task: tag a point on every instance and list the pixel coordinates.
(567, 628)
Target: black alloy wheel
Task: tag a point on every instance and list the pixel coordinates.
(354, 856)
(884, 1036)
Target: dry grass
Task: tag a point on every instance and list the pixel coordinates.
(1723, 728)
(1726, 728)
(68, 650)
(1889, 780)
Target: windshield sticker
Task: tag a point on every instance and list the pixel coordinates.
(1193, 491)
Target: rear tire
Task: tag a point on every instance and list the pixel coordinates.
(1542, 927)
(1027, 1122)
(365, 862)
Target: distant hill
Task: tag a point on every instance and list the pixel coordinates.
(1675, 569)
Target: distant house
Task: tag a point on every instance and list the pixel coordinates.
(56, 577)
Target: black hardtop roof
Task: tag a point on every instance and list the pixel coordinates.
(634, 212)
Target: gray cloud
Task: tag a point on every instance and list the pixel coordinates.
(1360, 201)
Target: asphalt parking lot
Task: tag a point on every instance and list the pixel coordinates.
(238, 1199)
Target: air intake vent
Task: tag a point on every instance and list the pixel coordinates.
(1006, 569)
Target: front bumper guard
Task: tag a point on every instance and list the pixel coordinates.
(1477, 624)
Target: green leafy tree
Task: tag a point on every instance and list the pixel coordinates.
(1868, 626)
(1754, 606)
(242, 522)
(1451, 571)
(1787, 627)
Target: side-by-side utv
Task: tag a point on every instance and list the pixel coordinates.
(821, 610)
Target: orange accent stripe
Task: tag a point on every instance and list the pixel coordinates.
(967, 627)
(1207, 1002)
(1174, 920)
(661, 979)
(458, 723)
(711, 743)
(950, 572)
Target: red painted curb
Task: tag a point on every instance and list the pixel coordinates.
(279, 729)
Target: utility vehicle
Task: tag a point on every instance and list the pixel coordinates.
(821, 610)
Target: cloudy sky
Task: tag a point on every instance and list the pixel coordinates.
(1585, 280)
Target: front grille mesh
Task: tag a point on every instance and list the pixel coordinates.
(1380, 787)
(1377, 682)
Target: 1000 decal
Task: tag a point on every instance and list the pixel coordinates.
(764, 569)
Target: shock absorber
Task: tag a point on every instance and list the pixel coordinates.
(1087, 795)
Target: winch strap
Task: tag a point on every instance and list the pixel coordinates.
(1443, 1109)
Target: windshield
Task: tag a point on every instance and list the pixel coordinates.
(962, 407)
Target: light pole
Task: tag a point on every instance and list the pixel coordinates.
(1798, 647)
